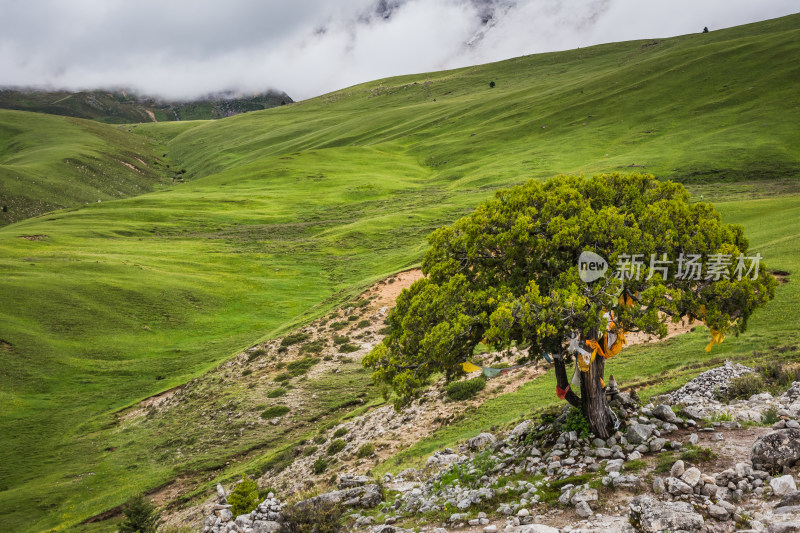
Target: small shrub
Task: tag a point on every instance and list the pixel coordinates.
(776, 375)
(352, 318)
(256, 354)
(491, 85)
(317, 517)
(140, 516)
(320, 439)
(697, 454)
(340, 339)
(363, 324)
(341, 432)
(275, 411)
(319, 466)
(301, 366)
(361, 303)
(247, 372)
(366, 450)
(275, 393)
(336, 326)
(285, 376)
(770, 416)
(313, 346)
(385, 330)
(244, 497)
(336, 446)
(463, 390)
(721, 416)
(309, 450)
(745, 386)
(294, 338)
(665, 462)
(577, 422)
(349, 348)
(635, 465)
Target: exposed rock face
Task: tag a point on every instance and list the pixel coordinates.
(654, 516)
(777, 450)
(480, 441)
(348, 481)
(366, 497)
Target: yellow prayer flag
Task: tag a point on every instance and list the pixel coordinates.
(469, 367)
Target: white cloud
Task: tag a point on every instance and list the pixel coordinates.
(308, 47)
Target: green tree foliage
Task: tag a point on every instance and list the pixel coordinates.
(140, 516)
(507, 275)
(244, 497)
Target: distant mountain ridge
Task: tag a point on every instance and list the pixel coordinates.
(122, 106)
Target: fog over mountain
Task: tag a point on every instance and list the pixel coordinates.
(183, 49)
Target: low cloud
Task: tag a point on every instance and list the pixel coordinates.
(309, 47)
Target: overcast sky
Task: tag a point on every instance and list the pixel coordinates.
(181, 49)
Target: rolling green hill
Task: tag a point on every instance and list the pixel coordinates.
(289, 211)
(49, 162)
(124, 107)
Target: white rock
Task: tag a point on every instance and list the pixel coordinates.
(691, 476)
(782, 485)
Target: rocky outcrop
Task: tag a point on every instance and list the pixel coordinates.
(649, 515)
(363, 497)
(777, 451)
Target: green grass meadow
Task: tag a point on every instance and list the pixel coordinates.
(289, 212)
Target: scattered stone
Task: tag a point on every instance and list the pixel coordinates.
(718, 512)
(365, 497)
(348, 481)
(638, 433)
(533, 528)
(678, 468)
(784, 527)
(665, 413)
(790, 499)
(583, 510)
(691, 476)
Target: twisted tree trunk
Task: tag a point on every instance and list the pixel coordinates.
(592, 401)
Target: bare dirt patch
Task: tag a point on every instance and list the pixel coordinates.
(33, 237)
(148, 403)
(130, 166)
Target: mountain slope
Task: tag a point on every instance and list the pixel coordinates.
(49, 162)
(291, 210)
(123, 107)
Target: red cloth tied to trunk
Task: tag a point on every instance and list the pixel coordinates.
(562, 393)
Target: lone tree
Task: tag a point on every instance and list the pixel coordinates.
(507, 275)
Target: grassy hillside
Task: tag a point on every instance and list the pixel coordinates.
(289, 211)
(122, 107)
(49, 162)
